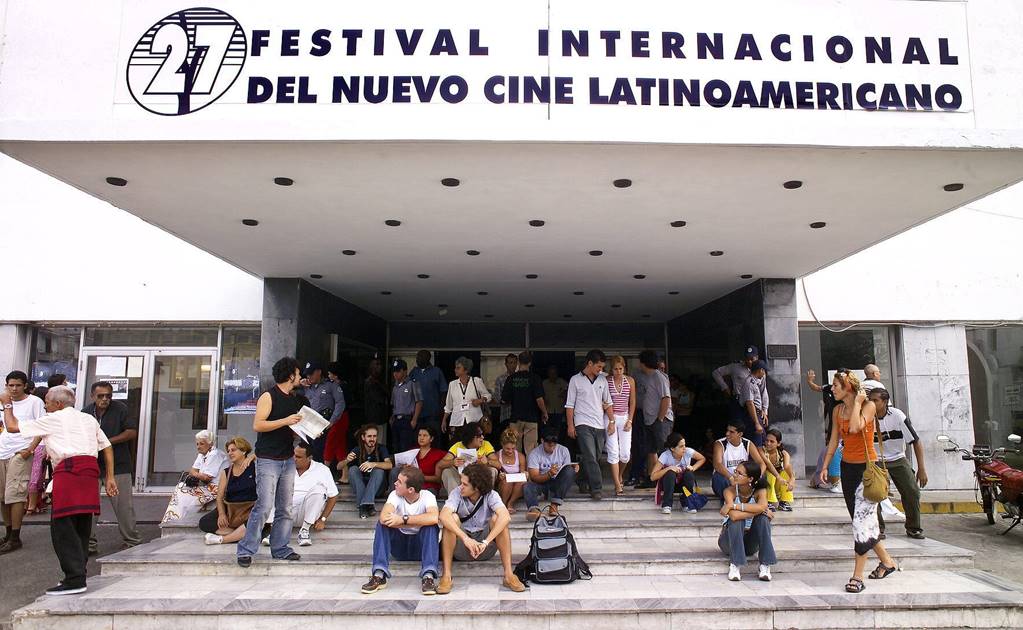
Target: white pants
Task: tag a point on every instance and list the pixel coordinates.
(305, 510)
(619, 445)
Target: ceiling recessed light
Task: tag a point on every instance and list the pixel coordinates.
(409, 315)
(616, 306)
(392, 222)
(316, 276)
(482, 293)
(117, 181)
(746, 276)
(947, 187)
(622, 183)
(529, 305)
(423, 276)
(818, 225)
(537, 223)
(385, 293)
(717, 252)
(250, 222)
(672, 292)
(450, 182)
(442, 306)
(792, 184)
(596, 252)
(639, 276)
(677, 224)
(283, 181)
(567, 315)
(348, 252)
(646, 315)
(532, 276)
(488, 315)
(578, 292)
(472, 252)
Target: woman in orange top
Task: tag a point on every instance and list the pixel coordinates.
(853, 422)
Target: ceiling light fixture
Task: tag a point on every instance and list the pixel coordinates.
(717, 252)
(529, 305)
(442, 306)
(409, 315)
(639, 276)
(622, 183)
(385, 293)
(392, 222)
(348, 252)
(316, 276)
(646, 315)
(423, 276)
(677, 224)
(792, 184)
(472, 252)
(117, 181)
(283, 181)
(672, 292)
(537, 223)
(817, 225)
(947, 187)
(567, 315)
(488, 315)
(250, 222)
(746, 276)
(578, 292)
(450, 182)
(482, 293)
(531, 276)
(596, 252)
(616, 306)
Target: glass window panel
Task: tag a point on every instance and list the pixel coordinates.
(239, 378)
(996, 382)
(55, 352)
(179, 336)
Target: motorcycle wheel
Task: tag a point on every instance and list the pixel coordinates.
(988, 502)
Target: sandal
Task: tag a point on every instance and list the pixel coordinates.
(619, 491)
(855, 585)
(881, 572)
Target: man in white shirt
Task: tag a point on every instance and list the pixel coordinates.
(16, 461)
(314, 497)
(588, 412)
(873, 378)
(897, 431)
(73, 440)
(407, 531)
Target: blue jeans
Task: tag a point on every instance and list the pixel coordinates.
(275, 485)
(737, 543)
(390, 542)
(365, 486)
(556, 489)
(719, 482)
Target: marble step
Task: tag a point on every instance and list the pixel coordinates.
(812, 600)
(644, 522)
(607, 556)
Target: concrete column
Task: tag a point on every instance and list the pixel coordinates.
(934, 374)
(781, 351)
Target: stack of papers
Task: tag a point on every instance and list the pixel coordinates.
(311, 425)
(407, 458)
(468, 454)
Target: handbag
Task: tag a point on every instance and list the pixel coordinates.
(486, 406)
(875, 478)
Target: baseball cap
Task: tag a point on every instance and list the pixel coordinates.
(550, 434)
(759, 364)
(311, 367)
(751, 351)
(398, 365)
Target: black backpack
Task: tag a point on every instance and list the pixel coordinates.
(553, 557)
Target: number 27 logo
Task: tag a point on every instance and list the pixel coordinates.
(186, 61)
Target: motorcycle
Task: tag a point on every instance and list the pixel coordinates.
(996, 480)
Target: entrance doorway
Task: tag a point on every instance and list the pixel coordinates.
(168, 392)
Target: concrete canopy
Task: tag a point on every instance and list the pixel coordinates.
(731, 198)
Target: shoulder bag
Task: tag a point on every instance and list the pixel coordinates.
(875, 478)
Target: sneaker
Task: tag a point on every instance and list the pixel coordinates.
(785, 506)
(378, 583)
(62, 589)
(596, 495)
(690, 510)
(213, 539)
(666, 509)
(245, 561)
(916, 533)
(371, 511)
(265, 542)
(836, 489)
(765, 573)
(733, 573)
(429, 585)
(773, 507)
(292, 557)
(11, 545)
(630, 482)
(362, 512)
(304, 539)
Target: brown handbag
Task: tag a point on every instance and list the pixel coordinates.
(875, 478)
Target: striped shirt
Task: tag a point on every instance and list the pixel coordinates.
(619, 398)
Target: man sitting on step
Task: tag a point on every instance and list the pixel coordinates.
(407, 530)
(314, 497)
(476, 526)
(551, 474)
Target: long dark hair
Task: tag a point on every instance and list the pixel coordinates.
(756, 474)
(777, 435)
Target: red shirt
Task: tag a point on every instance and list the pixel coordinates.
(428, 465)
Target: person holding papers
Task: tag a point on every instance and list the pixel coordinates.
(276, 411)
(511, 476)
(425, 457)
(551, 473)
(469, 450)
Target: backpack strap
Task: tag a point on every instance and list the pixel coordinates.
(475, 509)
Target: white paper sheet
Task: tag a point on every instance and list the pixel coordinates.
(407, 458)
(515, 477)
(111, 366)
(134, 367)
(468, 454)
(311, 425)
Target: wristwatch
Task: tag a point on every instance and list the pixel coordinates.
(323, 519)
(404, 519)
(8, 406)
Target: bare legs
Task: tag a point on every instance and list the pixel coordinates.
(510, 493)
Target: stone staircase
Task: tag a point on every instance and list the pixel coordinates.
(661, 571)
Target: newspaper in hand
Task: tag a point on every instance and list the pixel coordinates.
(311, 425)
(469, 455)
(407, 458)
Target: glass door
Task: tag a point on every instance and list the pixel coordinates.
(167, 390)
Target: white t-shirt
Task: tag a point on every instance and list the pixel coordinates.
(28, 408)
(214, 461)
(403, 507)
(316, 479)
(668, 459)
(588, 399)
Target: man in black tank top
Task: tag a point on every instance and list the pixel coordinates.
(276, 411)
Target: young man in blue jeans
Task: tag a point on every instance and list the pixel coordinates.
(276, 411)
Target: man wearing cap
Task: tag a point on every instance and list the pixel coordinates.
(737, 373)
(325, 398)
(752, 395)
(432, 386)
(406, 406)
(550, 474)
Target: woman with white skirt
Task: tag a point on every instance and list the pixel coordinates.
(619, 433)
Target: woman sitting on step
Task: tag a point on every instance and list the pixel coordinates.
(674, 471)
(747, 526)
(236, 494)
(198, 489)
(779, 491)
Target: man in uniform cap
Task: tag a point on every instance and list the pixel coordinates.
(406, 406)
(737, 373)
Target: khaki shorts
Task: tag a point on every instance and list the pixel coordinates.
(462, 554)
(14, 476)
